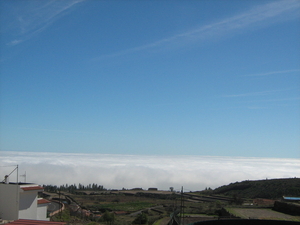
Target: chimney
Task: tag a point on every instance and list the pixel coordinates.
(6, 180)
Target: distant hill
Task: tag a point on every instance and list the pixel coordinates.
(271, 189)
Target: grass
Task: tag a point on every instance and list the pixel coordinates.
(234, 213)
(264, 214)
(133, 203)
(161, 221)
(62, 216)
(124, 206)
(198, 215)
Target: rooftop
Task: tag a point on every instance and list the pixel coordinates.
(43, 201)
(25, 186)
(32, 188)
(291, 198)
(33, 222)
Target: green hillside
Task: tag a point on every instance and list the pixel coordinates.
(271, 189)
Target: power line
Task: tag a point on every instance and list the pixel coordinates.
(9, 166)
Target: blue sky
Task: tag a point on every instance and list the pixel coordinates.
(214, 78)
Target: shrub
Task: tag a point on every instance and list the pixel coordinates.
(142, 218)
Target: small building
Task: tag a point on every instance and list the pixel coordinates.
(42, 208)
(33, 222)
(152, 189)
(263, 202)
(136, 189)
(291, 199)
(120, 212)
(20, 201)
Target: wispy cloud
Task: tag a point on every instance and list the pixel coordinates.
(273, 73)
(259, 93)
(32, 17)
(263, 100)
(129, 171)
(14, 42)
(56, 130)
(262, 15)
(256, 107)
(277, 100)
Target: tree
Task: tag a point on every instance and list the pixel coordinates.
(141, 218)
(237, 199)
(108, 217)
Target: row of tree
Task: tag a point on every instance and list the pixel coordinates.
(73, 188)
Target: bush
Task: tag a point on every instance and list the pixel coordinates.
(141, 219)
(108, 217)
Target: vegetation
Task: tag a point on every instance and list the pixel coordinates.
(142, 218)
(108, 217)
(63, 216)
(271, 189)
(123, 206)
(73, 188)
(100, 207)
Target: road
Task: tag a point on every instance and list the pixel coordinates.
(140, 211)
(53, 206)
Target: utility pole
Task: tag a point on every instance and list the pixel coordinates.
(6, 180)
(182, 208)
(60, 205)
(17, 174)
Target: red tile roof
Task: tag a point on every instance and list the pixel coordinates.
(43, 201)
(265, 202)
(120, 212)
(34, 222)
(32, 188)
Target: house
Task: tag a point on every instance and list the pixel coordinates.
(263, 202)
(152, 189)
(20, 201)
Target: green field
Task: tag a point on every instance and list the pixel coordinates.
(122, 206)
(260, 213)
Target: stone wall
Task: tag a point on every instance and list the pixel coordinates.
(288, 208)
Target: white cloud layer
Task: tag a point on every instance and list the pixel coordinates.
(129, 171)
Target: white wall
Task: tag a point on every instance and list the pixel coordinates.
(28, 205)
(42, 212)
(16, 203)
(9, 201)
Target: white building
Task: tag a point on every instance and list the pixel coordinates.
(20, 201)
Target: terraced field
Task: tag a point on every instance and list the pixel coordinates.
(259, 213)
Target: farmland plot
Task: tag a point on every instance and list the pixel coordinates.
(259, 213)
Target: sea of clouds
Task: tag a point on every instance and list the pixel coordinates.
(130, 171)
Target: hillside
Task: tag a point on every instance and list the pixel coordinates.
(271, 189)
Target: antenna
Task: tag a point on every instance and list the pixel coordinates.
(24, 175)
